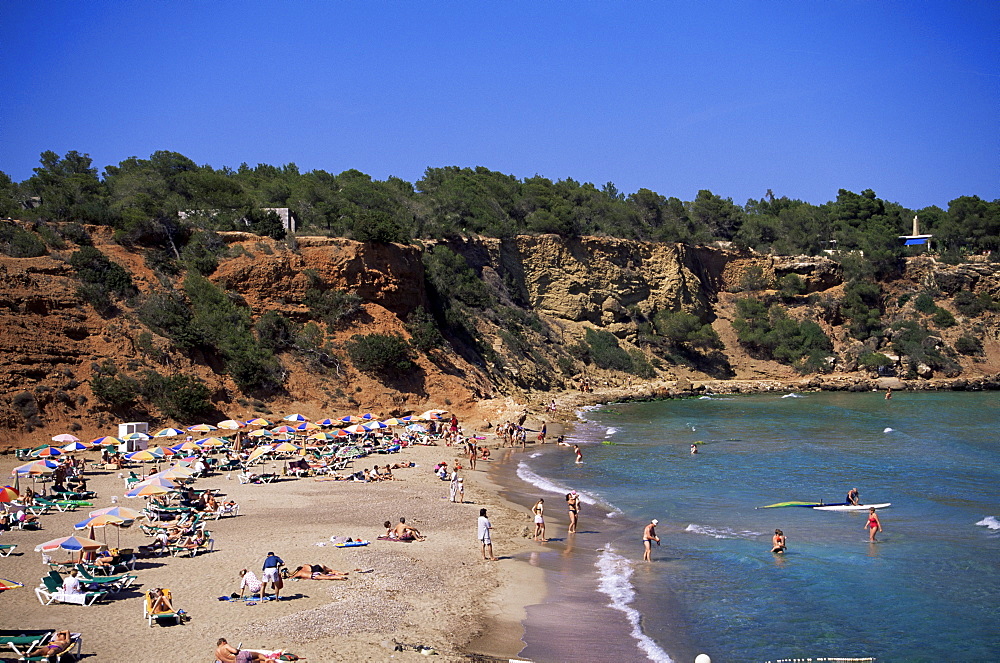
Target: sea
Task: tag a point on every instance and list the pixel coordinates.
(928, 589)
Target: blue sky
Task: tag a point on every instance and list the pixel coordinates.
(802, 98)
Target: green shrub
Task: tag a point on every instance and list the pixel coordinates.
(566, 365)
(92, 266)
(771, 334)
(375, 353)
(943, 318)
(680, 328)
(169, 315)
(450, 278)
(641, 365)
(17, 242)
(275, 332)
(179, 397)
(924, 303)
(424, 334)
(912, 340)
(874, 361)
(378, 226)
(862, 308)
(331, 306)
(969, 345)
(753, 279)
(202, 252)
(791, 285)
(605, 351)
(76, 233)
(117, 391)
(973, 306)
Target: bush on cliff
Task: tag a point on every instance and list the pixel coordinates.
(771, 334)
(379, 353)
(19, 243)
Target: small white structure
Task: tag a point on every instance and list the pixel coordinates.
(124, 430)
(916, 238)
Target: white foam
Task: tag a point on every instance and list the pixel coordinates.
(525, 474)
(611, 431)
(535, 455)
(704, 398)
(616, 573)
(721, 532)
(989, 521)
(887, 430)
(792, 396)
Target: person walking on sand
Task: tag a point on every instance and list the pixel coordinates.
(573, 504)
(579, 454)
(778, 542)
(272, 565)
(484, 536)
(648, 536)
(461, 491)
(873, 525)
(453, 489)
(538, 510)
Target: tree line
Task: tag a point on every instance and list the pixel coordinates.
(142, 198)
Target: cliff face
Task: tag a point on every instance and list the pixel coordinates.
(52, 341)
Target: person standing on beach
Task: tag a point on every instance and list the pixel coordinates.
(573, 504)
(453, 492)
(542, 433)
(272, 564)
(484, 536)
(579, 454)
(538, 510)
(873, 525)
(648, 536)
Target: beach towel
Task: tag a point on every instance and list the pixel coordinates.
(392, 538)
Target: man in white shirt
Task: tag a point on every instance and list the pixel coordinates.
(71, 584)
(484, 536)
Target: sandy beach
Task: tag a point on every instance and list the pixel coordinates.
(438, 593)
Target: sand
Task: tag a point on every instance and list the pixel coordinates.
(438, 593)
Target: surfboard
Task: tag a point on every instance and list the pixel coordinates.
(851, 507)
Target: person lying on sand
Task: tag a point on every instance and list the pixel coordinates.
(317, 572)
(59, 644)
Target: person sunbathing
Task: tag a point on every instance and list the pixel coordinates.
(59, 644)
(193, 542)
(159, 602)
(405, 532)
(387, 475)
(317, 572)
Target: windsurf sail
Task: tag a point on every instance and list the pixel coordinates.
(780, 504)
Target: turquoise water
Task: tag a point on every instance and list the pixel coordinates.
(928, 590)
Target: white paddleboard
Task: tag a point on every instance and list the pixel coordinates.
(852, 507)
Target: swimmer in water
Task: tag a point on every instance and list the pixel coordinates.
(778, 541)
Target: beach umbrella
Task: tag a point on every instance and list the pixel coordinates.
(231, 424)
(188, 445)
(65, 437)
(322, 437)
(286, 448)
(8, 494)
(107, 439)
(101, 520)
(148, 490)
(155, 480)
(327, 422)
(78, 446)
(211, 442)
(120, 511)
(8, 584)
(356, 429)
(261, 432)
(47, 452)
(257, 421)
(418, 428)
(431, 414)
(296, 417)
(282, 437)
(350, 419)
(394, 421)
(307, 426)
(136, 436)
(174, 473)
(142, 456)
(70, 543)
(374, 425)
(35, 467)
(258, 452)
(368, 416)
(201, 428)
(283, 429)
(168, 432)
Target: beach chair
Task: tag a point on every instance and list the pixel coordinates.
(112, 583)
(22, 642)
(71, 653)
(227, 510)
(60, 505)
(157, 616)
(6, 549)
(208, 545)
(50, 591)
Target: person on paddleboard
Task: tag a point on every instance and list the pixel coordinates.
(853, 497)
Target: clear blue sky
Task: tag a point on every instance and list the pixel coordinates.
(799, 97)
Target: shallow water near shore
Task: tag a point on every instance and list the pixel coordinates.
(928, 590)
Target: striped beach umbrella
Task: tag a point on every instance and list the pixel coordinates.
(261, 432)
(287, 448)
(368, 416)
(47, 452)
(211, 442)
(65, 437)
(120, 511)
(168, 432)
(8, 494)
(257, 421)
(201, 428)
(307, 426)
(107, 439)
(77, 446)
(35, 467)
(322, 437)
(102, 520)
(231, 424)
(283, 429)
(8, 584)
(147, 491)
(327, 422)
(350, 419)
(259, 452)
(70, 543)
(356, 429)
(136, 436)
(296, 417)
(145, 455)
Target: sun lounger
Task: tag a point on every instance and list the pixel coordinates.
(207, 546)
(6, 549)
(157, 616)
(74, 651)
(21, 642)
(227, 510)
(51, 591)
(113, 583)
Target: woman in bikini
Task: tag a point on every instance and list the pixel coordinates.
(573, 504)
(317, 572)
(873, 525)
(59, 644)
(538, 510)
(778, 541)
